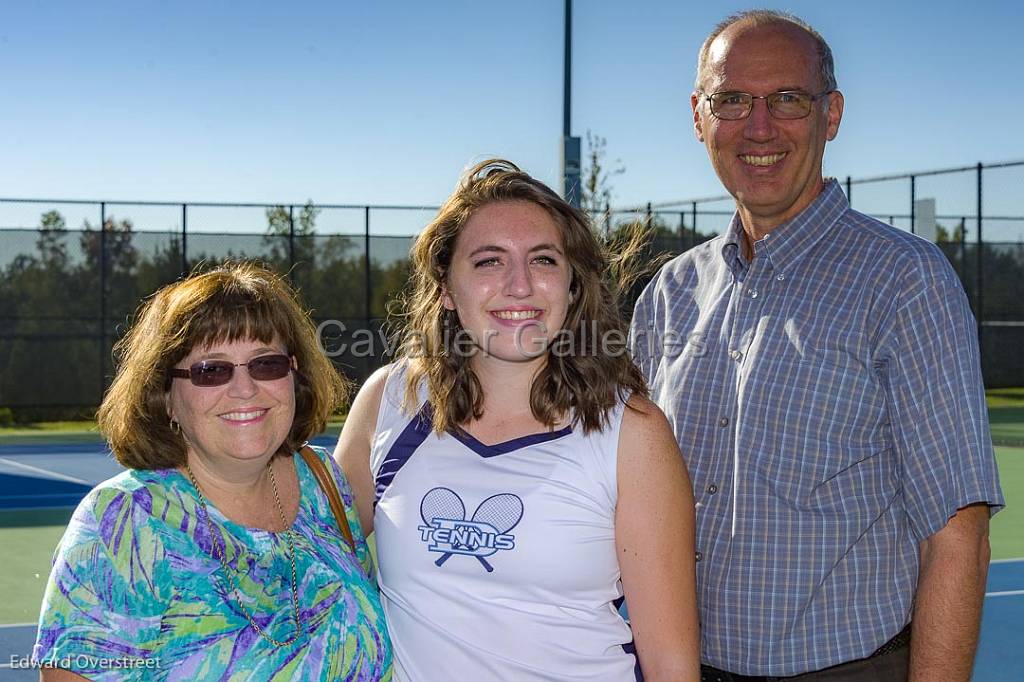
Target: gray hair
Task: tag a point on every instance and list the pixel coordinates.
(767, 17)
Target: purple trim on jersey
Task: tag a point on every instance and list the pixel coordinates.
(630, 647)
(411, 438)
(508, 446)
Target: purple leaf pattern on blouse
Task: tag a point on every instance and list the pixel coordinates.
(135, 578)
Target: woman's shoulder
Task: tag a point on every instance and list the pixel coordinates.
(133, 501)
(121, 512)
(134, 487)
(383, 398)
(324, 456)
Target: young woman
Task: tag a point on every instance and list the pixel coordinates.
(518, 479)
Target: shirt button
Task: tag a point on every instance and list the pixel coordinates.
(698, 556)
(723, 421)
(781, 277)
(735, 355)
(712, 489)
(752, 293)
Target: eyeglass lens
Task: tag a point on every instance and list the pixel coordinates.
(219, 372)
(781, 105)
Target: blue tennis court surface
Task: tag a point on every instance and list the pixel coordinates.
(41, 476)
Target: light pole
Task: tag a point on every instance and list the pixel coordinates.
(570, 143)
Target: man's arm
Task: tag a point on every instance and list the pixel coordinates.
(950, 590)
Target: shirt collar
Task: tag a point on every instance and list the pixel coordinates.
(790, 241)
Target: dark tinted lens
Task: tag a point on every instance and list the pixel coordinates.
(211, 372)
(269, 367)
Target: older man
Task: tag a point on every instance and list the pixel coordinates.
(820, 370)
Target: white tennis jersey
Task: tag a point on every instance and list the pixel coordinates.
(498, 562)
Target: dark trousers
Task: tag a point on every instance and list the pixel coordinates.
(891, 666)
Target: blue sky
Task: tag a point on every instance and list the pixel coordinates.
(386, 102)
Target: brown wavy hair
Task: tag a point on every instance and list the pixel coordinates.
(236, 301)
(584, 385)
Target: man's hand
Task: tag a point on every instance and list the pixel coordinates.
(950, 590)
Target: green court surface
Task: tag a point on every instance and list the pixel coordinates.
(1007, 530)
(1007, 425)
(28, 539)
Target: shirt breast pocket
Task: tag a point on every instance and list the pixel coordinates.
(824, 438)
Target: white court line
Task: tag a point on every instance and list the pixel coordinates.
(49, 474)
(1008, 593)
(1006, 561)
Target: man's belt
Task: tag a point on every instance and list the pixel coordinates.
(711, 674)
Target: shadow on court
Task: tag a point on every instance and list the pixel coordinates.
(34, 518)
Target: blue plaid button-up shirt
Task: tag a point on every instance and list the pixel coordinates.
(827, 398)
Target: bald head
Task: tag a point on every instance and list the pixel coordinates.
(715, 47)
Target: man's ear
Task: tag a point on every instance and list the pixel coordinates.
(698, 126)
(835, 114)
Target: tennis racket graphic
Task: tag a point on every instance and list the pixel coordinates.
(441, 503)
(501, 512)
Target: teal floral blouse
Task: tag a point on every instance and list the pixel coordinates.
(137, 592)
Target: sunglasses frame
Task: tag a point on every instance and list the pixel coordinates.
(193, 369)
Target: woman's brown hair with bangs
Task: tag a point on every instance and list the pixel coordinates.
(236, 301)
(583, 385)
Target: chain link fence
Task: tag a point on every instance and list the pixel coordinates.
(68, 288)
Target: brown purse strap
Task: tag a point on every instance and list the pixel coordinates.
(327, 484)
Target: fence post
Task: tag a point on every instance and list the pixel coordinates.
(607, 220)
(682, 231)
(184, 240)
(693, 221)
(366, 264)
(849, 190)
(103, 300)
(980, 274)
(291, 244)
(649, 215)
(963, 251)
(913, 197)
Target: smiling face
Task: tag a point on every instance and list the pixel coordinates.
(242, 421)
(509, 280)
(772, 167)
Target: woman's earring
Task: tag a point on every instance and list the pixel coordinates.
(175, 428)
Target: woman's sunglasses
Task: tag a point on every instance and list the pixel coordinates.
(219, 372)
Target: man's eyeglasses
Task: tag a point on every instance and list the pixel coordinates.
(219, 372)
(785, 105)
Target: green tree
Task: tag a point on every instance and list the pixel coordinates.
(279, 231)
(51, 243)
(944, 236)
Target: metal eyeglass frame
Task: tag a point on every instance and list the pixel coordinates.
(767, 100)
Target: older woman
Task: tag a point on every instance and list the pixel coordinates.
(519, 481)
(218, 554)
